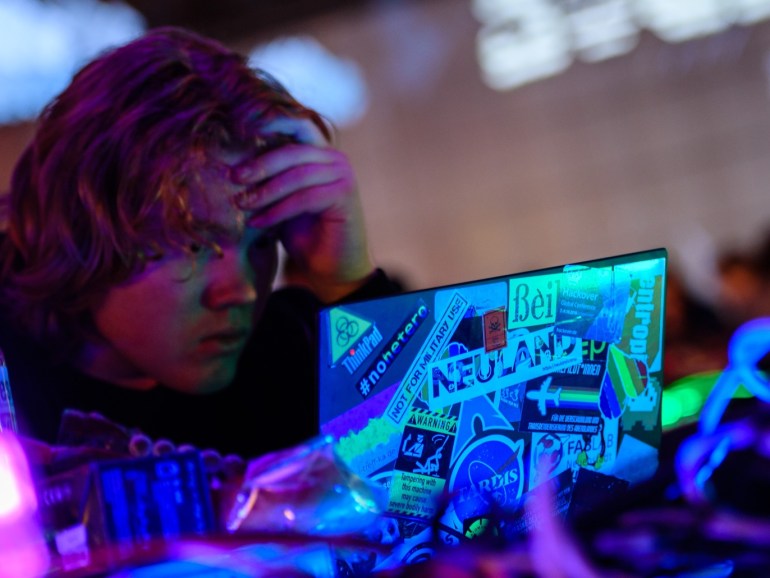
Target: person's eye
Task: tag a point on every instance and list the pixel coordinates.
(203, 250)
(266, 239)
(263, 247)
(263, 242)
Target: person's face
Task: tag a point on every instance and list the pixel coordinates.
(184, 320)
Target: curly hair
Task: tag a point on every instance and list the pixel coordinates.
(103, 185)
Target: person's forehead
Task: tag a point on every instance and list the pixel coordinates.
(212, 193)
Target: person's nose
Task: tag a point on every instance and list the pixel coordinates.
(231, 281)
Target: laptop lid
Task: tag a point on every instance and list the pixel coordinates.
(462, 399)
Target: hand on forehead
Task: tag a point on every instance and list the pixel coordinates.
(219, 183)
(274, 134)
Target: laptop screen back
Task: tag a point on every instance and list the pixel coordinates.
(462, 399)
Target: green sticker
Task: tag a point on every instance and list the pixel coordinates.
(345, 329)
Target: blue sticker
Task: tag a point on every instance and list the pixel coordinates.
(489, 475)
(592, 303)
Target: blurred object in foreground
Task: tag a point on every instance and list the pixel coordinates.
(683, 399)
(106, 513)
(749, 345)
(7, 411)
(699, 456)
(308, 490)
(23, 552)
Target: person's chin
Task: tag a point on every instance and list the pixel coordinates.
(206, 380)
(220, 379)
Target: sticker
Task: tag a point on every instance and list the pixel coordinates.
(643, 411)
(596, 451)
(480, 526)
(408, 542)
(488, 476)
(482, 296)
(532, 301)
(72, 547)
(474, 373)
(426, 444)
(643, 333)
(371, 449)
(495, 334)
(430, 350)
(357, 353)
(625, 378)
(422, 464)
(477, 415)
(553, 453)
(393, 348)
(510, 401)
(592, 365)
(345, 329)
(593, 303)
(548, 457)
(415, 495)
(560, 404)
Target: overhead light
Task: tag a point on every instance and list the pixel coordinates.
(42, 44)
(527, 40)
(332, 85)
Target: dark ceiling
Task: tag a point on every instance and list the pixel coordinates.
(230, 20)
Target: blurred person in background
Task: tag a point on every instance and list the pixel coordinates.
(696, 337)
(744, 283)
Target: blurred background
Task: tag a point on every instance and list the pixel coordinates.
(489, 136)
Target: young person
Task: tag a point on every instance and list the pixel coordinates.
(141, 247)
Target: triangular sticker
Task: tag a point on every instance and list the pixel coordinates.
(346, 329)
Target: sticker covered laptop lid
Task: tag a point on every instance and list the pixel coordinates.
(462, 399)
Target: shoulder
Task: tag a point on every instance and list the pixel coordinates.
(378, 284)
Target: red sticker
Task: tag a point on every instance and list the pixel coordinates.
(495, 335)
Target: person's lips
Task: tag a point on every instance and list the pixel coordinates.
(224, 341)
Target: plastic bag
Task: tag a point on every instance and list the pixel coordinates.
(307, 489)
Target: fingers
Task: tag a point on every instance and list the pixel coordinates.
(307, 193)
(292, 181)
(225, 468)
(220, 468)
(233, 466)
(255, 170)
(320, 198)
(140, 445)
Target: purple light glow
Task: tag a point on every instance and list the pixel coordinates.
(22, 549)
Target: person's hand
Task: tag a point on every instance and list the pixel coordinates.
(224, 472)
(89, 436)
(227, 468)
(306, 190)
(54, 459)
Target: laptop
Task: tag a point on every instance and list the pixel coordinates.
(461, 400)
